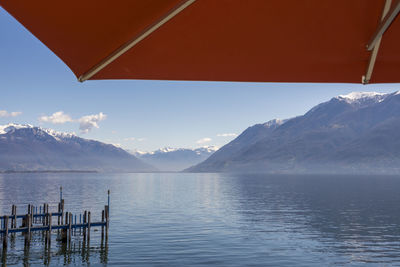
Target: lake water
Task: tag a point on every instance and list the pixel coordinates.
(215, 219)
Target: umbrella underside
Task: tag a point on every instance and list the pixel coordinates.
(209, 40)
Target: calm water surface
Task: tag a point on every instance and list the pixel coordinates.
(215, 219)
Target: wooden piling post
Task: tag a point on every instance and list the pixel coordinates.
(15, 216)
(12, 213)
(107, 214)
(44, 217)
(12, 216)
(108, 198)
(102, 220)
(64, 231)
(6, 224)
(70, 227)
(59, 206)
(28, 224)
(49, 236)
(6, 231)
(31, 214)
(66, 217)
(47, 212)
(75, 224)
(62, 210)
(88, 235)
(84, 224)
(58, 210)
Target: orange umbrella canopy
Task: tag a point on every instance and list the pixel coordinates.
(215, 40)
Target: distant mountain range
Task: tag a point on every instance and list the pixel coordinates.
(175, 159)
(355, 133)
(29, 148)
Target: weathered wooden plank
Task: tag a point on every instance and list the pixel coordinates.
(53, 227)
(20, 216)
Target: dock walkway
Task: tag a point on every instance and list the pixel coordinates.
(42, 220)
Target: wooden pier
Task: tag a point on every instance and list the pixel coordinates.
(42, 220)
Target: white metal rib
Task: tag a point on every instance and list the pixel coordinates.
(113, 56)
(375, 50)
(388, 19)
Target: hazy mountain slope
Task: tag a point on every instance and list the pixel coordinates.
(345, 134)
(250, 136)
(28, 148)
(175, 159)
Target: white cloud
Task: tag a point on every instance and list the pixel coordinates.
(227, 135)
(204, 140)
(5, 113)
(58, 117)
(87, 123)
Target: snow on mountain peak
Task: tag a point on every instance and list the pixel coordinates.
(199, 150)
(167, 149)
(274, 122)
(209, 149)
(137, 152)
(360, 97)
(56, 134)
(14, 126)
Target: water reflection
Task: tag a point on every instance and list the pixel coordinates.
(354, 218)
(217, 219)
(77, 252)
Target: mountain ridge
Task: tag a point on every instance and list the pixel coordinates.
(30, 148)
(175, 159)
(321, 140)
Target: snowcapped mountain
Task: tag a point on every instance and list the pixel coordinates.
(175, 159)
(362, 99)
(29, 148)
(274, 123)
(12, 128)
(354, 133)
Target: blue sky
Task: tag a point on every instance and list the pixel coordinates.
(144, 115)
